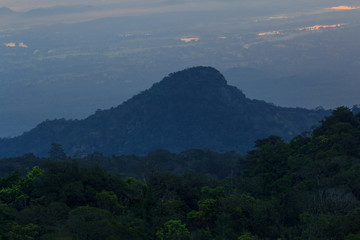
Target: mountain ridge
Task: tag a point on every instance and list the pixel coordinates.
(58, 10)
(6, 11)
(193, 108)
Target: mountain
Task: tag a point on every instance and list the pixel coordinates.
(6, 11)
(57, 10)
(193, 108)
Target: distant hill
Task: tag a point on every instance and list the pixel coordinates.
(193, 108)
(57, 10)
(6, 11)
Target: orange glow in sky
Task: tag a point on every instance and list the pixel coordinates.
(23, 45)
(269, 33)
(317, 27)
(278, 17)
(343, 8)
(11, 44)
(189, 39)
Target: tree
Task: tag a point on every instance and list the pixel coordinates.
(87, 223)
(56, 152)
(173, 230)
(353, 237)
(247, 236)
(109, 201)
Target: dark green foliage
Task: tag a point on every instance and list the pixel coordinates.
(19, 164)
(308, 188)
(217, 165)
(173, 230)
(90, 223)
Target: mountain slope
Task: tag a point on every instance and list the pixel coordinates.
(57, 10)
(193, 108)
(6, 11)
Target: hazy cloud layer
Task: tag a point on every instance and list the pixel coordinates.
(25, 5)
(261, 9)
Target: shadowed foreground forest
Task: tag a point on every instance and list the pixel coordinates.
(308, 188)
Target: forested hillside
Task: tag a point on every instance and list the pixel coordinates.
(308, 188)
(193, 108)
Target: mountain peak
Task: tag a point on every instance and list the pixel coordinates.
(195, 85)
(196, 76)
(6, 11)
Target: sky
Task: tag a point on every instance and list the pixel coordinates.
(25, 5)
(275, 9)
(272, 10)
(115, 8)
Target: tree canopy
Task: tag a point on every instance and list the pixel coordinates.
(308, 188)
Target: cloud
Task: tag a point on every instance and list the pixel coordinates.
(268, 33)
(343, 8)
(23, 45)
(189, 39)
(317, 27)
(276, 17)
(11, 44)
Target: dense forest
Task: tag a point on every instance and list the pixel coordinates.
(307, 188)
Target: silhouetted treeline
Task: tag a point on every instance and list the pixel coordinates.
(204, 161)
